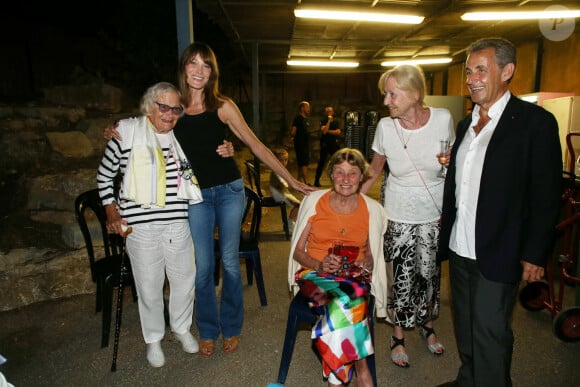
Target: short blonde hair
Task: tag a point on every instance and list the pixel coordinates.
(408, 77)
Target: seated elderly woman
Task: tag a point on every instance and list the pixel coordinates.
(336, 260)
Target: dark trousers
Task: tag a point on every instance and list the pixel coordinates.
(326, 151)
(481, 311)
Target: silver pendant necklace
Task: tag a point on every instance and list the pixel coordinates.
(399, 131)
(342, 228)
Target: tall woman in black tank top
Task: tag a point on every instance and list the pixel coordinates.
(208, 118)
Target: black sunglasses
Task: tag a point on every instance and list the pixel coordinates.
(176, 110)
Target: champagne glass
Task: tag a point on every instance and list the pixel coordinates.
(442, 157)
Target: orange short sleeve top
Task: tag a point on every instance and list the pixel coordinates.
(327, 226)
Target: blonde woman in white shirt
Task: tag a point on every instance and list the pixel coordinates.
(408, 141)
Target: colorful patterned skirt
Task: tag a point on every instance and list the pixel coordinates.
(341, 334)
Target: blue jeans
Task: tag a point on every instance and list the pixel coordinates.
(222, 206)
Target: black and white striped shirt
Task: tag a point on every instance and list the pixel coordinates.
(115, 161)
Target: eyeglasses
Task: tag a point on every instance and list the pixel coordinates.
(176, 110)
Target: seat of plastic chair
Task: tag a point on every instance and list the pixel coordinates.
(253, 176)
(299, 314)
(106, 266)
(249, 248)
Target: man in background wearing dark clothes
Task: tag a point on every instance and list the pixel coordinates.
(330, 128)
(299, 132)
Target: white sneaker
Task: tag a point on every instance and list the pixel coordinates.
(188, 342)
(155, 355)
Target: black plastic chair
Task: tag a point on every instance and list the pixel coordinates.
(249, 245)
(253, 174)
(299, 315)
(105, 267)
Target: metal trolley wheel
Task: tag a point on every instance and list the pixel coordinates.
(566, 325)
(534, 296)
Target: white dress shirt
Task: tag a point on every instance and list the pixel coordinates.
(469, 165)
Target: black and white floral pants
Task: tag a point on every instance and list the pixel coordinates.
(415, 292)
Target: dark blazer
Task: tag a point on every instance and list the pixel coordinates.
(520, 190)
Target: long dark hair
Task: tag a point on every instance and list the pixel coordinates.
(213, 99)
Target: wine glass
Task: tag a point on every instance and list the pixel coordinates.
(442, 157)
(337, 247)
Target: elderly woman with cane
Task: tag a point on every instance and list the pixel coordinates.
(157, 187)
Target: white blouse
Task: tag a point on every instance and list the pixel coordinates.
(414, 192)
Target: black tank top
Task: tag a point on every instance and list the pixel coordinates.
(199, 135)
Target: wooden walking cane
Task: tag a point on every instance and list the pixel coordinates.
(119, 312)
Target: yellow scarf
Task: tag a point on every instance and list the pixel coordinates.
(145, 180)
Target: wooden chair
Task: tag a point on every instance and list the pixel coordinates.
(300, 314)
(253, 175)
(106, 265)
(249, 245)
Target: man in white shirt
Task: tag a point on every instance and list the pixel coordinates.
(500, 206)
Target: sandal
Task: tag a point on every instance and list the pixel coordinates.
(206, 348)
(436, 348)
(231, 344)
(399, 359)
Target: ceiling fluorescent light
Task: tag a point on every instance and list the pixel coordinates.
(521, 15)
(416, 62)
(321, 63)
(357, 16)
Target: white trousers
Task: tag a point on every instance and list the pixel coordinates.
(156, 250)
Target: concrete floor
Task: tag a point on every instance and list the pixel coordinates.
(57, 343)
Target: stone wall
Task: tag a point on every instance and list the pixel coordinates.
(30, 275)
(49, 153)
